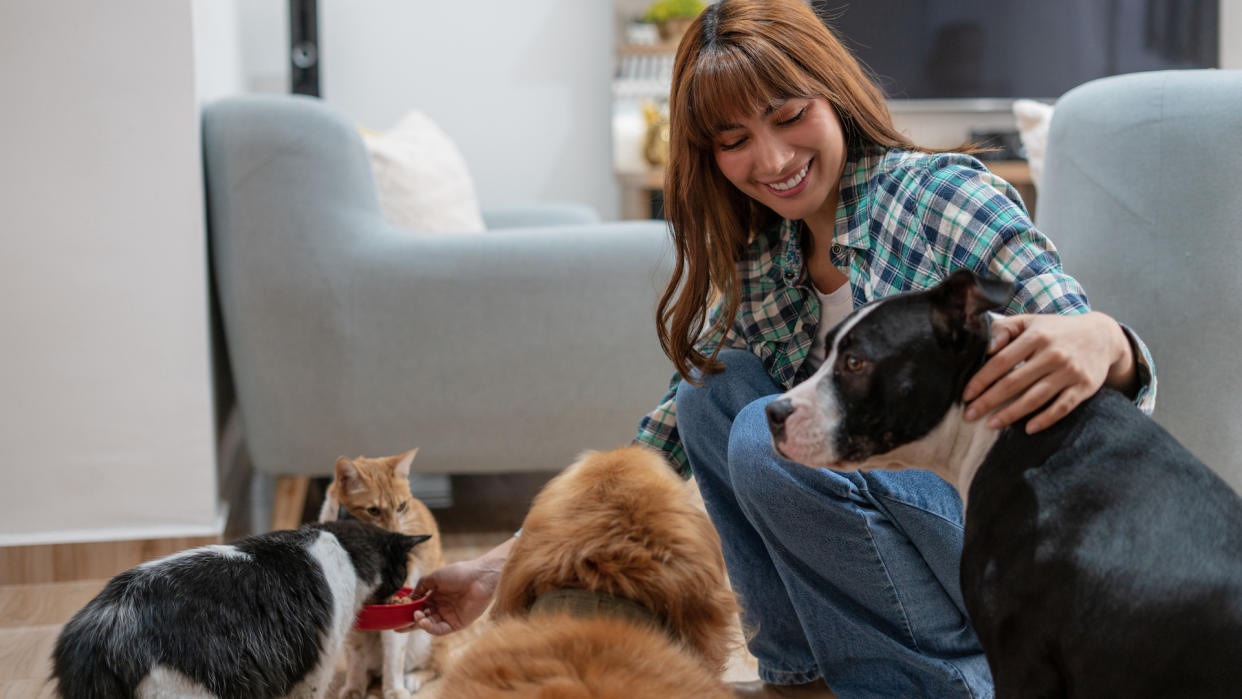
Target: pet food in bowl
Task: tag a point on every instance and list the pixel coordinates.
(399, 612)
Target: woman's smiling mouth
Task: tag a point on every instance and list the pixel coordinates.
(791, 186)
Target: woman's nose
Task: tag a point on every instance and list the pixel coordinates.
(772, 156)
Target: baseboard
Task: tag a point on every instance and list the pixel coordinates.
(100, 554)
(93, 560)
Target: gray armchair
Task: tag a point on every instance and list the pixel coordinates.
(1141, 195)
(510, 350)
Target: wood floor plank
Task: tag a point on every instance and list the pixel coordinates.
(26, 654)
(27, 689)
(45, 604)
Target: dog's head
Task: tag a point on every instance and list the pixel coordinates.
(893, 370)
(623, 523)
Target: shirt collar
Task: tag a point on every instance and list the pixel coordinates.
(860, 165)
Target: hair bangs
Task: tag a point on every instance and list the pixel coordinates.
(732, 82)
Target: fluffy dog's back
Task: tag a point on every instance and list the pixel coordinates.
(620, 523)
(566, 657)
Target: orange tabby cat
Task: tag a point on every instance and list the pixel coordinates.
(378, 491)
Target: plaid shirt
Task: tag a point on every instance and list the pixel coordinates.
(904, 221)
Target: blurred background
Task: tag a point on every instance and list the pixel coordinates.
(111, 428)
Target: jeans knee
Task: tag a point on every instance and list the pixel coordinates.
(750, 441)
(711, 397)
(758, 471)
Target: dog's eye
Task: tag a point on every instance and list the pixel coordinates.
(853, 363)
(402, 506)
(373, 511)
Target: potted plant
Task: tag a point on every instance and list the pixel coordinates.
(673, 16)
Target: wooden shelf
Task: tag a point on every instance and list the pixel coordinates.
(1015, 172)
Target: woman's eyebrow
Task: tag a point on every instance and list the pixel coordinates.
(767, 111)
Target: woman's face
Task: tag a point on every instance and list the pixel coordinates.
(788, 156)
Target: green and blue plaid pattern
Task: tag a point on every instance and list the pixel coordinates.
(905, 220)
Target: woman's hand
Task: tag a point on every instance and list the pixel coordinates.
(1053, 360)
(459, 592)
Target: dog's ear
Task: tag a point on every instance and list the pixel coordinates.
(959, 302)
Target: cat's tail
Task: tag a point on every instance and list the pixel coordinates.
(80, 659)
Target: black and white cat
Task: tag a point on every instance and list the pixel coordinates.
(264, 616)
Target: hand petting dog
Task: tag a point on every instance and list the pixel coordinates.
(1048, 360)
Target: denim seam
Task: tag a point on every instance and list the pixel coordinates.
(957, 672)
(787, 677)
(937, 515)
(892, 587)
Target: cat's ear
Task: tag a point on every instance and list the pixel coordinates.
(409, 542)
(402, 469)
(347, 475)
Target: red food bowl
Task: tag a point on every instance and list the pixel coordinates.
(379, 617)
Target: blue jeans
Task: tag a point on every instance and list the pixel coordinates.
(848, 576)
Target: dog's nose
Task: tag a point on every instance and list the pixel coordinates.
(778, 411)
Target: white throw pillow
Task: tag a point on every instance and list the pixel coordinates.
(1033, 120)
(422, 179)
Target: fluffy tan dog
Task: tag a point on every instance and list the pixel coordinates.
(616, 588)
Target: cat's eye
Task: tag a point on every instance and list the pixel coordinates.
(402, 506)
(373, 511)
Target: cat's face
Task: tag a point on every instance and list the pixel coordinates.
(377, 490)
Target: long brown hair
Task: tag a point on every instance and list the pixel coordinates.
(736, 57)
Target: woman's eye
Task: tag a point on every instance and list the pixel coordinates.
(734, 145)
(373, 511)
(793, 119)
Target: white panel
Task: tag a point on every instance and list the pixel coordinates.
(106, 422)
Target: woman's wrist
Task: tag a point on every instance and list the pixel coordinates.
(1122, 373)
(493, 561)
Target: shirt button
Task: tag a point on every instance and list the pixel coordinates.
(790, 274)
(836, 249)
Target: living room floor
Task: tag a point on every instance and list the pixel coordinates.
(486, 510)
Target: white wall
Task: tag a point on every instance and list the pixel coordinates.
(106, 424)
(1231, 34)
(218, 66)
(521, 87)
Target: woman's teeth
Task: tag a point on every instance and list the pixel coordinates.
(792, 181)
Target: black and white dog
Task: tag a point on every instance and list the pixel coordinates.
(1101, 558)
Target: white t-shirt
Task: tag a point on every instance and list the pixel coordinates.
(832, 309)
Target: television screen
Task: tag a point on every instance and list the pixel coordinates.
(948, 49)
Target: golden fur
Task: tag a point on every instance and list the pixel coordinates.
(378, 491)
(622, 523)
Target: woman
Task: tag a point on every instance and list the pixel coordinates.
(793, 199)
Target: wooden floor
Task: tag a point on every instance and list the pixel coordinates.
(486, 511)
